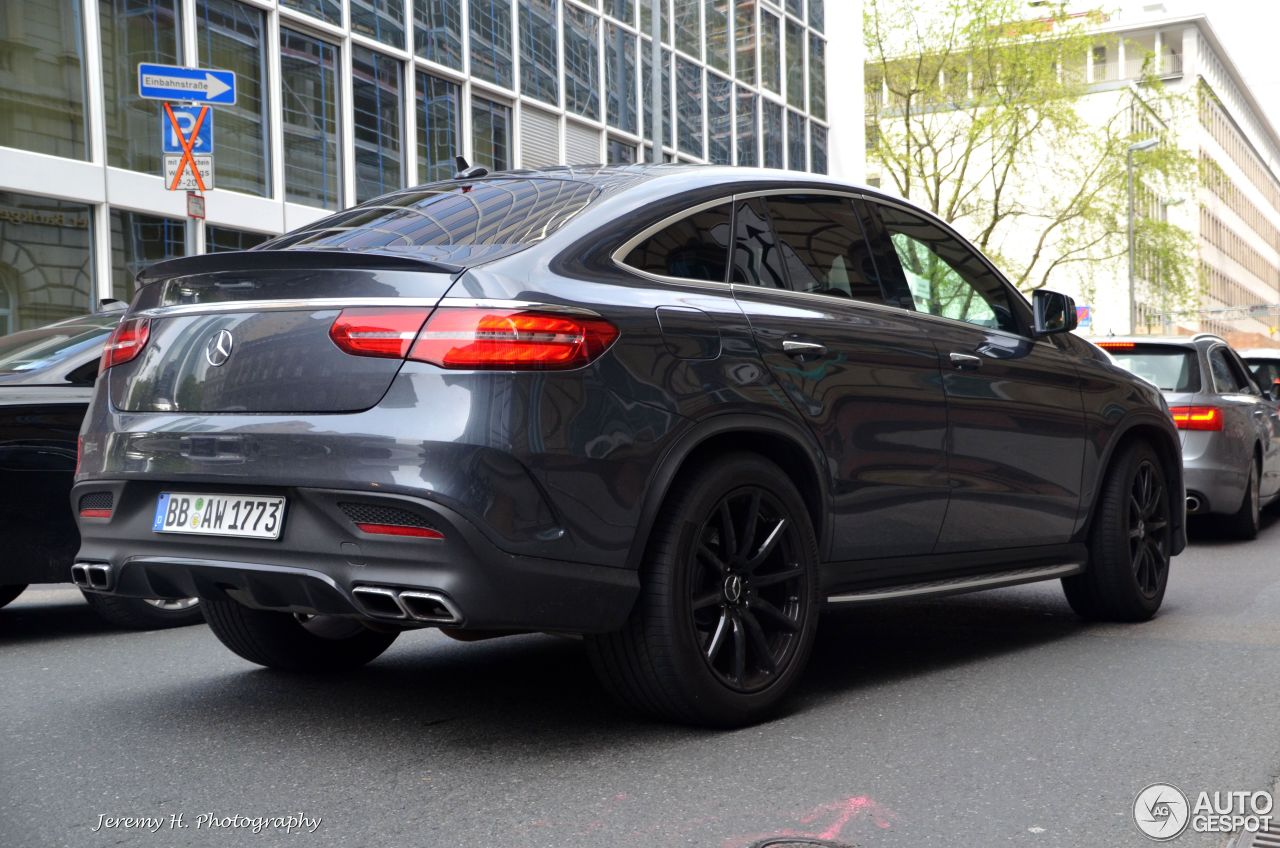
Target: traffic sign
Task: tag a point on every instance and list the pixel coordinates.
(194, 85)
(1084, 317)
(195, 204)
(187, 181)
(187, 117)
(174, 181)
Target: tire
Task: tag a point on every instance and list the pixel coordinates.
(1244, 523)
(1129, 543)
(287, 642)
(728, 605)
(9, 593)
(142, 614)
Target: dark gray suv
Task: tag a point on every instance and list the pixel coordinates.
(674, 409)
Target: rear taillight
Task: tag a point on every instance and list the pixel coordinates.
(1116, 345)
(377, 332)
(1196, 417)
(511, 339)
(126, 342)
(475, 338)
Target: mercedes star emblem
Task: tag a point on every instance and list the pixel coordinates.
(218, 350)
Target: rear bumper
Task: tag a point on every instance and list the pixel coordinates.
(1218, 488)
(322, 558)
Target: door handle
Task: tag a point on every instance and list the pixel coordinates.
(791, 347)
(965, 362)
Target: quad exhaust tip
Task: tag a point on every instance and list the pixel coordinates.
(91, 575)
(406, 604)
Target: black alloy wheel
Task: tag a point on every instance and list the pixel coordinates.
(1148, 523)
(728, 605)
(1130, 541)
(747, 591)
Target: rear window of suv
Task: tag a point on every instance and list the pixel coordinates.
(463, 221)
(1170, 368)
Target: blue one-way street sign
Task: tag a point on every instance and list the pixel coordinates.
(186, 117)
(195, 85)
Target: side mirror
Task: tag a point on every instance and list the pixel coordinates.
(1054, 313)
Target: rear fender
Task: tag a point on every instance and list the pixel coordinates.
(748, 428)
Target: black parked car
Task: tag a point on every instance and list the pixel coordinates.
(46, 381)
(675, 409)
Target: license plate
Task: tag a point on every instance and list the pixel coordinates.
(248, 516)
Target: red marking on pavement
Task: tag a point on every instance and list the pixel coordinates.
(841, 814)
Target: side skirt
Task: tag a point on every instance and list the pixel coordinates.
(958, 585)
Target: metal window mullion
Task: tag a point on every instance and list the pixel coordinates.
(274, 87)
(464, 87)
(758, 50)
(409, 101)
(191, 59)
(602, 94)
(562, 86)
(99, 213)
(347, 116)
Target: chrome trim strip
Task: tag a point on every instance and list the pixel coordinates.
(948, 587)
(827, 300)
(489, 303)
(618, 255)
(339, 303)
(297, 304)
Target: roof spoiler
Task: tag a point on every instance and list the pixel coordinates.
(270, 260)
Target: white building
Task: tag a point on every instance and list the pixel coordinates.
(341, 100)
(1234, 211)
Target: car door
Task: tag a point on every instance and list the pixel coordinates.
(863, 375)
(1247, 412)
(1016, 426)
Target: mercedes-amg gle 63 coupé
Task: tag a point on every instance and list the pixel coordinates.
(677, 410)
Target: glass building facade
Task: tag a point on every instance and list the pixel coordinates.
(339, 101)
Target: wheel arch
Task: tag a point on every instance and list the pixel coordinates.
(774, 439)
(1167, 447)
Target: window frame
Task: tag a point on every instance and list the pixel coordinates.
(883, 251)
(619, 255)
(856, 199)
(857, 212)
(1239, 371)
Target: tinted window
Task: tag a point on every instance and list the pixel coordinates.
(1266, 372)
(694, 248)
(1225, 377)
(488, 213)
(1171, 369)
(46, 347)
(756, 258)
(822, 247)
(946, 277)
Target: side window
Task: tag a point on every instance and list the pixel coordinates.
(695, 247)
(1225, 378)
(756, 258)
(1266, 374)
(945, 276)
(822, 247)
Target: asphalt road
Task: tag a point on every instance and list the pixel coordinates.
(985, 720)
